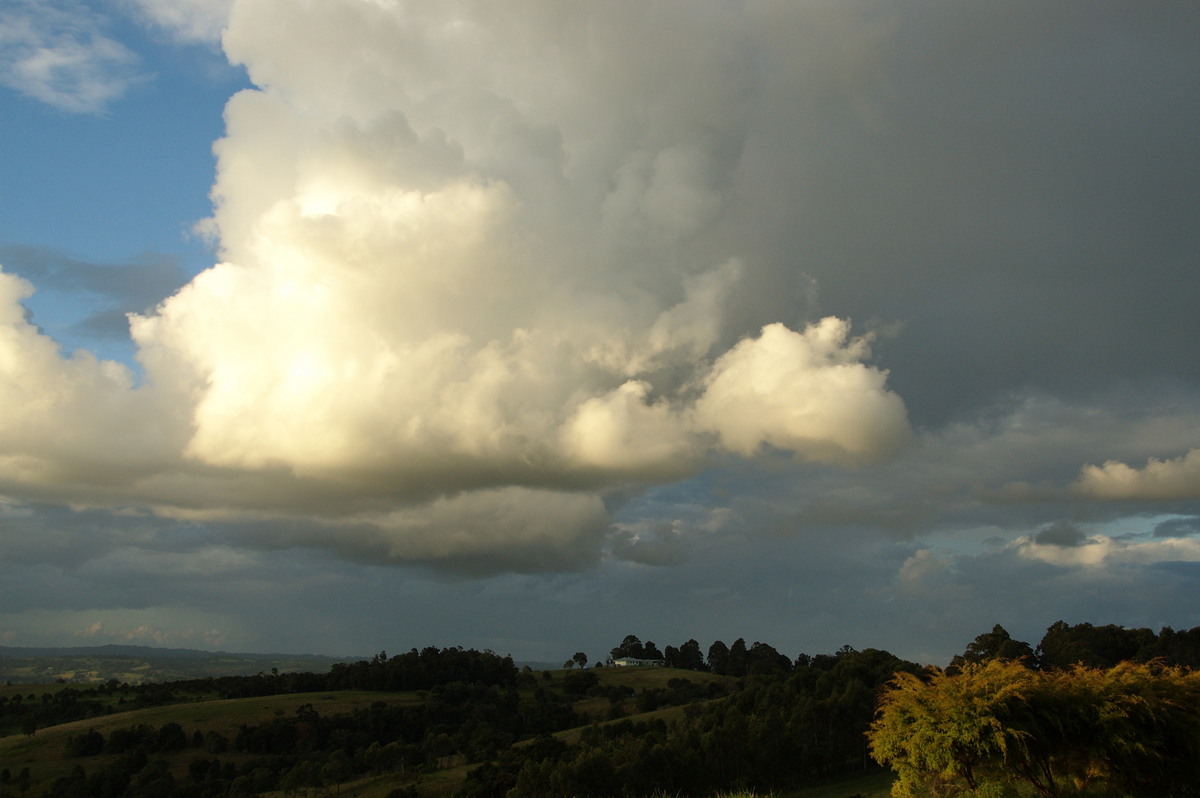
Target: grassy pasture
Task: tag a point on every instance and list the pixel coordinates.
(643, 678)
(10, 690)
(45, 754)
(638, 679)
(872, 785)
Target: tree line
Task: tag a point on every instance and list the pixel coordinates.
(737, 659)
(768, 731)
(1062, 646)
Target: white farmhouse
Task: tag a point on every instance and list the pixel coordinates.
(634, 662)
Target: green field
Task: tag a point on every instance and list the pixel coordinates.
(874, 785)
(45, 753)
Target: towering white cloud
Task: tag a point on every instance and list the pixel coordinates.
(477, 263)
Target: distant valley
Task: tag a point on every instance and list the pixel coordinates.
(146, 664)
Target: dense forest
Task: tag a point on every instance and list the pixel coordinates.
(723, 718)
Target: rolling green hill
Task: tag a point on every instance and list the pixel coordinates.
(47, 753)
(649, 730)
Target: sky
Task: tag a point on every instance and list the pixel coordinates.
(341, 326)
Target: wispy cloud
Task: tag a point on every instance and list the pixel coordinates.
(59, 52)
(137, 285)
(188, 20)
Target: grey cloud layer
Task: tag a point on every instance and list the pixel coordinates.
(1024, 202)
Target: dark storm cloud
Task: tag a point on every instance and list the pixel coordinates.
(1023, 201)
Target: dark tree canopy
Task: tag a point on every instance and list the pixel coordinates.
(1094, 646)
(996, 644)
(688, 656)
(718, 657)
(764, 659)
(631, 646)
(738, 658)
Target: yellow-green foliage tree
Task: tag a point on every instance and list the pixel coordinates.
(1000, 729)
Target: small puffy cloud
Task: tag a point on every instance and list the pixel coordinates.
(157, 626)
(119, 629)
(804, 392)
(57, 52)
(621, 431)
(963, 475)
(1159, 480)
(924, 573)
(1102, 551)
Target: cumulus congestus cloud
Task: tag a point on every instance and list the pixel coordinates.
(478, 269)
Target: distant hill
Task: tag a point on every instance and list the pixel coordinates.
(141, 664)
(154, 652)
